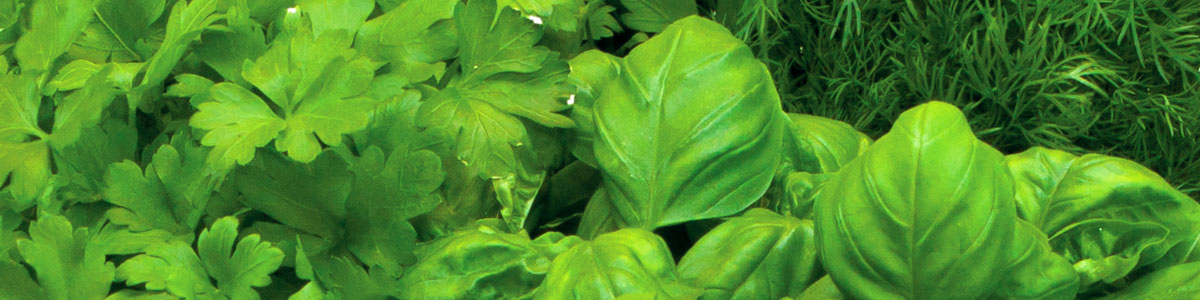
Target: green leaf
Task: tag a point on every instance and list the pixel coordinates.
(1057, 191)
(482, 262)
(491, 43)
(822, 145)
(800, 193)
(81, 109)
(68, 266)
(688, 129)
(329, 15)
(1106, 250)
(1177, 282)
(184, 25)
(1035, 270)
(929, 187)
(53, 25)
(237, 271)
(18, 285)
(414, 38)
(308, 197)
(143, 196)
(318, 84)
(238, 122)
(655, 15)
(19, 104)
(759, 255)
(823, 289)
(27, 167)
(386, 194)
(129, 20)
(626, 262)
(590, 71)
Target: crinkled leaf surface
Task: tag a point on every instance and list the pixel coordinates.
(626, 262)
(483, 262)
(1059, 192)
(925, 213)
(759, 255)
(687, 131)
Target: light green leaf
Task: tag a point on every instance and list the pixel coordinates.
(491, 43)
(142, 195)
(68, 267)
(823, 145)
(27, 167)
(184, 25)
(626, 262)
(688, 130)
(329, 15)
(81, 109)
(482, 262)
(1057, 191)
(53, 25)
(929, 187)
(486, 136)
(1177, 282)
(1035, 270)
(238, 122)
(759, 255)
(237, 271)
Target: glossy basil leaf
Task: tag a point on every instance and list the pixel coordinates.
(629, 262)
(759, 255)
(1106, 250)
(925, 213)
(482, 262)
(687, 131)
(1035, 271)
(822, 145)
(1177, 282)
(1056, 191)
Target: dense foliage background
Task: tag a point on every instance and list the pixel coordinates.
(598, 149)
(1119, 77)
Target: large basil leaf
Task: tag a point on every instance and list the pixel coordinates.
(925, 213)
(689, 129)
(1177, 282)
(1058, 192)
(482, 262)
(629, 262)
(759, 255)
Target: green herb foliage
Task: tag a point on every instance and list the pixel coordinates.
(1118, 77)
(593, 149)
